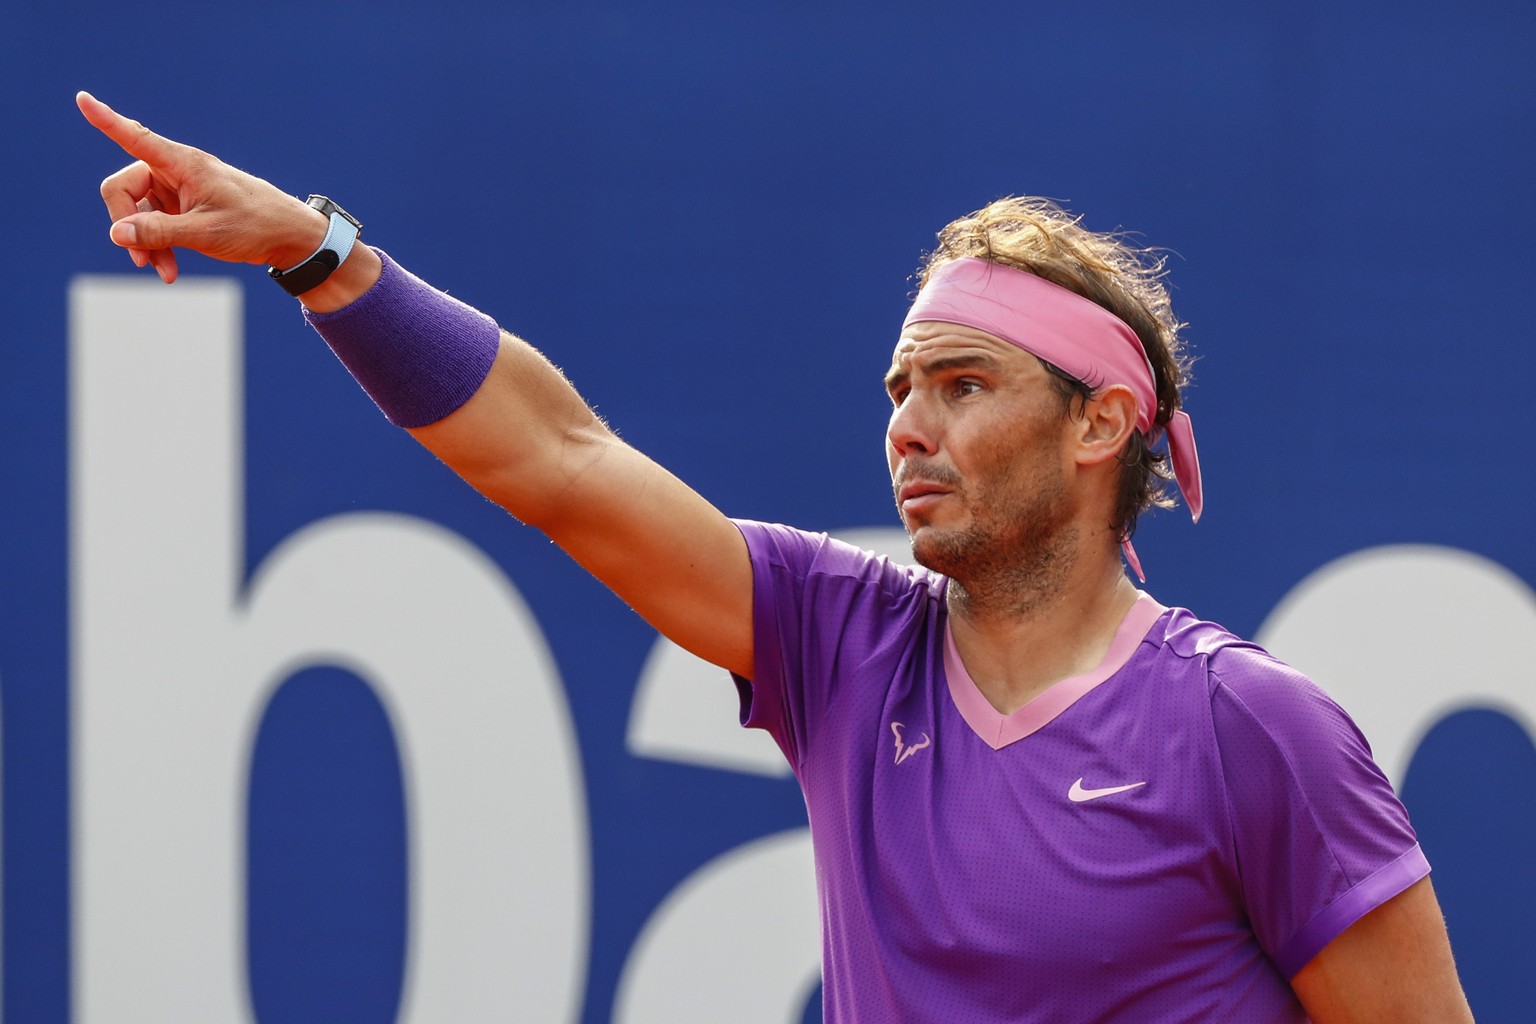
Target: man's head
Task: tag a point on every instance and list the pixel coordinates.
(1035, 235)
(985, 466)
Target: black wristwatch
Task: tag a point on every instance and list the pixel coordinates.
(339, 236)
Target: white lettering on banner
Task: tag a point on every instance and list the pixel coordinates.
(1403, 635)
(737, 941)
(172, 665)
(684, 709)
(697, 962)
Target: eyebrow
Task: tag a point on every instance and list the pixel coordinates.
(896, 376)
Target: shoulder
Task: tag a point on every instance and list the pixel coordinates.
(1232, 667)
(1252, 695)
(1316, 833)
(825, 612)
(1273, 726)
(818, 559)
(1183, 634)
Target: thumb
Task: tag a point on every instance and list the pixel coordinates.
(150, 230)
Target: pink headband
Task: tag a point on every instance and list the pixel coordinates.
(1078, 336)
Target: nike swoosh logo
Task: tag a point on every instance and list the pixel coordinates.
(1077, 794)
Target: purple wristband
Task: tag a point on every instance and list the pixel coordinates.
(419, 353)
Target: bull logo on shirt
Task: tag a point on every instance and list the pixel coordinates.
(902, 750)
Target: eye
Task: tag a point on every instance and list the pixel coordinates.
(966, 386)
(899, 395)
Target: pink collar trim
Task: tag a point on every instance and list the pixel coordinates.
(998, 730)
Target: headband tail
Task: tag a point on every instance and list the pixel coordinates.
(1134, 562)
(1186, 461)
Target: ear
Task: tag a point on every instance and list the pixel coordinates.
(1105, 426)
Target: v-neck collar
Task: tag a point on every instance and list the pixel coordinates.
(998, 730)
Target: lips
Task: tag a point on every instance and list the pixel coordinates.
(917, 497)
(919, 489)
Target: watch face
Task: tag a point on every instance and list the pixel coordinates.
(328, 207)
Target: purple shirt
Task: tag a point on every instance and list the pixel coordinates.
(1167, 838)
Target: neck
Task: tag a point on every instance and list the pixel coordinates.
(1021, 631)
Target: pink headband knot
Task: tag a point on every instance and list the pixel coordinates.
(1072, 333)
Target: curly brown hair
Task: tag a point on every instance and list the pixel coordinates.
(1036, 235)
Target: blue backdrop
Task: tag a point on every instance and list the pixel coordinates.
(708, 216)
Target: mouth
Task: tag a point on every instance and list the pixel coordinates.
(918, 488)
(919, 496)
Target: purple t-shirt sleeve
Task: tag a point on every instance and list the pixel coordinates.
(764, 697)
(820, 607)
(1320, 838)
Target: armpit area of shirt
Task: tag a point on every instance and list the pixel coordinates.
(998, 730)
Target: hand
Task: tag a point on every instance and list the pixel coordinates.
(174, 195)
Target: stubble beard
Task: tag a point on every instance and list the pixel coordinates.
(1017, 552)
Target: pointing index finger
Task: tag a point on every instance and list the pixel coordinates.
(135, 139)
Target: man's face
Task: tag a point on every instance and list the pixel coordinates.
(977, 446)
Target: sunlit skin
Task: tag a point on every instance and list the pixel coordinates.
(977, 447)
(1011, 499)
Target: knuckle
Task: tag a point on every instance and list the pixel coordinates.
(120, 181)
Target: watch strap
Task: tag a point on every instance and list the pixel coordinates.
(340, 235)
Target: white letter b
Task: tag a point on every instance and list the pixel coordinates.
(173, 661)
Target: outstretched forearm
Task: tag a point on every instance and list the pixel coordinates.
(492, 408)
(422, 356)
(525, 439)
(506, 420)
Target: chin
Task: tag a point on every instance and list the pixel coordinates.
(940, 552)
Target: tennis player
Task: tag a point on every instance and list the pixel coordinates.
(1035, 793)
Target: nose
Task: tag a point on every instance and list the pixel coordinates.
(912, 430)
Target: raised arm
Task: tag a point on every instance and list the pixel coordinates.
(524, 438)
(1394, 964)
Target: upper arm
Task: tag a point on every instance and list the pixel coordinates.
(1394, 964)
(527, 441)
(1318, 836)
